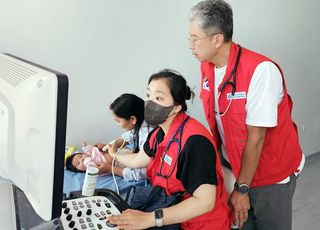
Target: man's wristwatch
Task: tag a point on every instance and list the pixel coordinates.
(241, 188)
(158, 214)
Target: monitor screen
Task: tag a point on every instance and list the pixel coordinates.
(33, 117)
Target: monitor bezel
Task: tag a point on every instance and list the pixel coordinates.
(60, 135)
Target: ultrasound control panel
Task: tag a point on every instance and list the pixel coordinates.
(88, 213)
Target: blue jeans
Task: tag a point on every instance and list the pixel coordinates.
(159, 200)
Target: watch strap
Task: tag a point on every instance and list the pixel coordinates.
(158, 214)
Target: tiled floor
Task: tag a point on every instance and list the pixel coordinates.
(306, 200)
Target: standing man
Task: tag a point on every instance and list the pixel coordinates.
(249, 112)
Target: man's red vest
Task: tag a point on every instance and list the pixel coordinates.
(281, 153)
(221, 211)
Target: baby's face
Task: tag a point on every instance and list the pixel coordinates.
(78, 160)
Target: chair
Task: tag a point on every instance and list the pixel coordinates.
(229, 179)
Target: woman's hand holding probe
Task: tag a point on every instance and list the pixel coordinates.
(112, 149)
(99, 146)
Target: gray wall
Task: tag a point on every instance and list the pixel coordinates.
(109, 47)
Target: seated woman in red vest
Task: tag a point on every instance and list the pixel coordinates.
(194, 167)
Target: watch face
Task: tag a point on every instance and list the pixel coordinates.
(158, 214)
(243, 189)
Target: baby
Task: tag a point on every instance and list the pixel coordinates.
(80, 161)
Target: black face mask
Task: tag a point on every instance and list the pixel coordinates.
(155, 114)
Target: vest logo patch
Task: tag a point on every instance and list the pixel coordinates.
(205, 84)
(167, 159)
(239, 95)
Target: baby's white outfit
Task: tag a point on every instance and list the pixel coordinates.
(97, 156)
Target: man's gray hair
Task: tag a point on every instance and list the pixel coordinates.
(213, 17)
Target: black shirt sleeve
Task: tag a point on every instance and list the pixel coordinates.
(197, 163)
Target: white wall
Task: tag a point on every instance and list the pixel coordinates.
(110, 47)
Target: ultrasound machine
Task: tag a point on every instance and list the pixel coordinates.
(33, 119)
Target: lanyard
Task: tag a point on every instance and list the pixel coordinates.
(167, 147)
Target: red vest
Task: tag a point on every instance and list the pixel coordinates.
(281, 153)
(221, 211)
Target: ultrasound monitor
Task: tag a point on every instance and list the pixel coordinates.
(33, 115)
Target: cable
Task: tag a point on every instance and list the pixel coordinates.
(112, 165)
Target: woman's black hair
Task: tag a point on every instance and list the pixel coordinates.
(179, 89)
(69, 165)
(128, 105)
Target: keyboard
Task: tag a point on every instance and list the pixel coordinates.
(90, 213)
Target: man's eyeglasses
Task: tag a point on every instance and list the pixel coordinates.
(191, 41)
